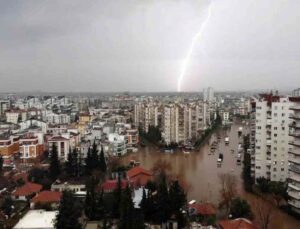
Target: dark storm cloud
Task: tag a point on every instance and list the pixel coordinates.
(139, 45)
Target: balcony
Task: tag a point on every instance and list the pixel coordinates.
(294, 125)
(294, 151)
(293, 194)
(294, 168)
(294, 134)
(295, 143)
(294, 116)
(294, 177)
(294, 159)
(294, 203)
(269, 122)
(269, 142)
(294, 186)
(295, 108)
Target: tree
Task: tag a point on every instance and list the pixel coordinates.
(177, 202)
(88, 162)
(263, 212)
(1, 163)
(279, 191)
(117, 194)
(163, 202)
(94, 154)
(92, 200)
(54, 168)
(240, 209)
(143, 203)
(71, 164)
(102, 162)
(68, 213)
(228, 190)
(126, 210)
(40, 176)
(7, 206)
(99, 209)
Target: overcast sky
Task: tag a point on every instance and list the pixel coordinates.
(140, 45)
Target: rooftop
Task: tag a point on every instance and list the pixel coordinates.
(37, 219)
(47, 196)
(138, 170)
(27, 189)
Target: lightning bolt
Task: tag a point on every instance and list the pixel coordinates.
(190, 51)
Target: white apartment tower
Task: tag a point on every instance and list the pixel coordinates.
(294, 155)
(145, 115)
(271, 137)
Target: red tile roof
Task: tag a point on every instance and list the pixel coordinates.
(203, 209)
(111, 185)
(138, 170)
(27, 189)
(240, 223)
(47, 196)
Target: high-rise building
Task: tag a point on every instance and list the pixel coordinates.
(208, 94)
(4, 105)
(294, 155)
(270, 159)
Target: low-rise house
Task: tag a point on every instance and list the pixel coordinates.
(46, 198)
(27, 191)
(139, 176)
(240, 223)
(37, 219)
(204, 213)
(72, 185)
(111, 185)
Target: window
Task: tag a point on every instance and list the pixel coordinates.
(282, 169)
(275, 114)
(275, 127)
(283, 128)
(275, 135)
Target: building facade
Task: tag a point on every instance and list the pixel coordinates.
(270, 159)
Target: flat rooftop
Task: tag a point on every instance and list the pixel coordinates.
(37, 219)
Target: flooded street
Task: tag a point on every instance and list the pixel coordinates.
(199, 170)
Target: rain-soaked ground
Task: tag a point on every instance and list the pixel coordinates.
(199, 171)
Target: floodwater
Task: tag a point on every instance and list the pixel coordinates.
(200, 174)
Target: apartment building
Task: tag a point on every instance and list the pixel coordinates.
(270, 159)
(145, 115)
(15, 116)
(182, 122)
(117, 144)
(31, 146)
(169, 124)
(294, 155)
(62, 144)
(4, 105)
(208, 94)
(9, 146)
